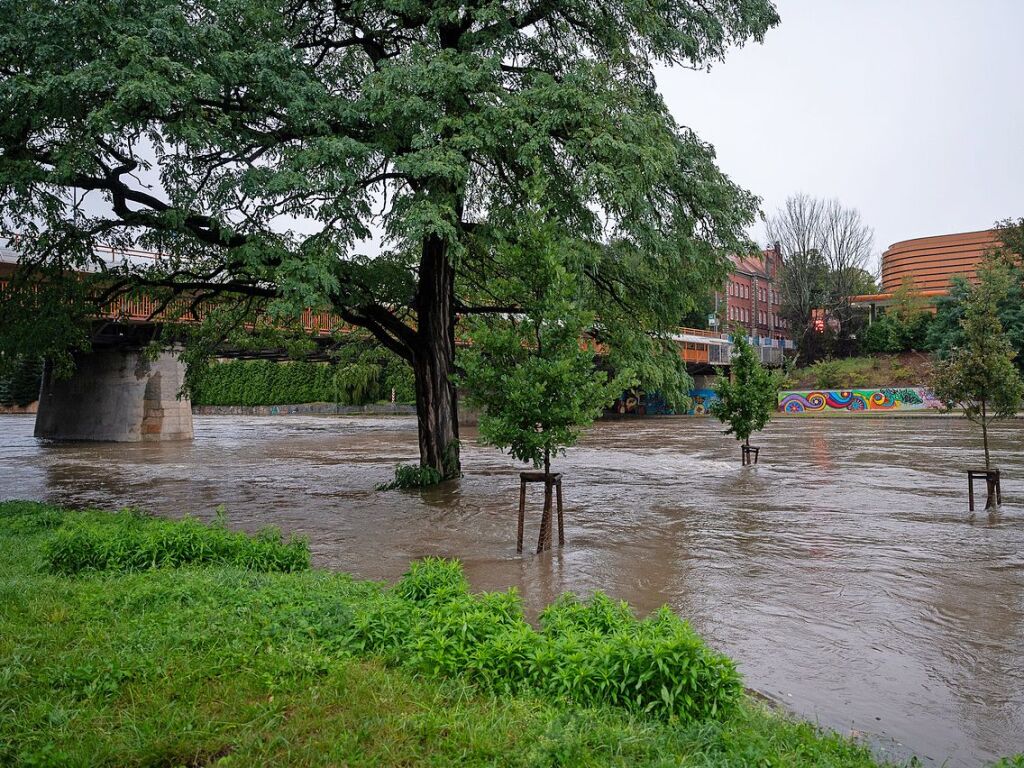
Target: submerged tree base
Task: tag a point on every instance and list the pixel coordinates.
(218, 665)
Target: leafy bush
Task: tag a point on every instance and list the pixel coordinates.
(827, 374)
(130, 541)
(20, 381)
(588, 652)
(412, 476)
(892, 334)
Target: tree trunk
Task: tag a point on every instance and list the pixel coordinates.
(434, 361)
(984, 433)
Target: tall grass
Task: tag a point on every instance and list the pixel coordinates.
(587, 652)
(130, 541)
(219, 666)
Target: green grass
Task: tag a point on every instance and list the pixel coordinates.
(222, 665)
(131, 541)
(877, 371)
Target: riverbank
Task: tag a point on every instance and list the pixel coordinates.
(218, 665)
(844, 573)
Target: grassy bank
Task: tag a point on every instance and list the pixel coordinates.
(130, 642)
(909, 369)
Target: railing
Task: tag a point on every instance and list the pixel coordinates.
(141, 308)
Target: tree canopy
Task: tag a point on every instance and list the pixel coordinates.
(978, 376)
(366, 157)
(946, 331)
(533, 374)
(826, 248)
(747, 395)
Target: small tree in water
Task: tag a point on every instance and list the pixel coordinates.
(533, 373)
(748, 396)
(979, 376)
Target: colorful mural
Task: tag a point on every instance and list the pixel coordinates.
(845, 400)
(637, 403)
(700, 402)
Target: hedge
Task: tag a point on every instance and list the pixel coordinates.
(264, 382)
(19, 383)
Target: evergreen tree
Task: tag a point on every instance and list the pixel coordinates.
(748, 395)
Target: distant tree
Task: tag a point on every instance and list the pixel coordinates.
(825, 248)
(905, 325)
(20, 380)
(979, 376)
(861, 282)
(946, 332)
(748, 395)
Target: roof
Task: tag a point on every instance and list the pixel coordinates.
(751, 265)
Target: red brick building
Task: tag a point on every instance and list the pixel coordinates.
(752, 298)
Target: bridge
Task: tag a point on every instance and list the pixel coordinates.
(118, 393)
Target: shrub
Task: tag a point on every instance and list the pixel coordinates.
(20, 381)
(588, 652)
(131, 541)
(891, 334)
(827, 374)
(265, 382)
(412, 476)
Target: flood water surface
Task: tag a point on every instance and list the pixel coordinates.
(843, 573)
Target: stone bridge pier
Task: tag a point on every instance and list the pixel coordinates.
(116, 395)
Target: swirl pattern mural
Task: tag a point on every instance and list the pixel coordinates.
(845, 400)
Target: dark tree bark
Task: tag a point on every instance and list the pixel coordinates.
(433, 361)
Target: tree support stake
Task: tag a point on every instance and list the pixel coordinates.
(552, 482)
(994, 491)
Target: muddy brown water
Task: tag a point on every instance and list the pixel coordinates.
(844, 572)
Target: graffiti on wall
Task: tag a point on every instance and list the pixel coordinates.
(638, 403)
(844, 400)
(700, 401)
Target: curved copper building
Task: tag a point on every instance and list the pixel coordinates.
(932, 261)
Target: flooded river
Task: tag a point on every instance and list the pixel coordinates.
(843, 573)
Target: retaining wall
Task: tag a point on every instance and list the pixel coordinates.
(826, 402)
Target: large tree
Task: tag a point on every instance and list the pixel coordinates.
(368, 157)
(826, 248)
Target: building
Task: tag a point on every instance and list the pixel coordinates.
(929, 263)
(752, 298)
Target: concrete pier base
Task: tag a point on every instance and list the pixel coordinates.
(116, 395)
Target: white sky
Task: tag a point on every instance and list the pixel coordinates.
(911, 111)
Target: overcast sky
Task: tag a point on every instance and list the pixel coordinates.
(911, 111)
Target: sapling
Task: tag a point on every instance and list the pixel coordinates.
(979, 376)
(747, 396)
(533, 372)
